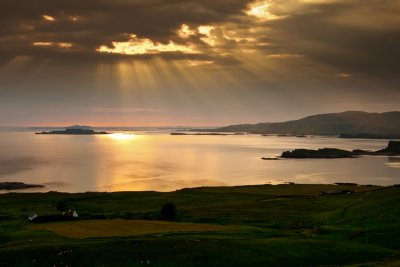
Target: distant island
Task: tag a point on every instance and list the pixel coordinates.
(393, 149)
(370, 136)
(75, 130)
(349, 124)
(181, 133)
(17, 185)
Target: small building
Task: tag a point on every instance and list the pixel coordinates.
(32, 216)
(336, 192)
(71, 213)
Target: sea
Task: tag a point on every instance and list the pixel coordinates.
(146, 159)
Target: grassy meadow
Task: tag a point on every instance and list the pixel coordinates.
(263, 225)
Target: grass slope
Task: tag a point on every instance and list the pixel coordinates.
(118, 227)
(283, 225)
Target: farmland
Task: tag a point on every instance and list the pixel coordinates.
(282, 225)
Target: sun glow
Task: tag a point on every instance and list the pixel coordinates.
(185, 32)
(59, 45)
(141, 46)
(43, 43)
(48, 18)
(261, 10)
(207, 31)
(122, 136)
(64, 45)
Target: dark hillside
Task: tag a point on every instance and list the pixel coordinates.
(349, 122)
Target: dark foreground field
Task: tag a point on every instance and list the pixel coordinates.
(283, 225)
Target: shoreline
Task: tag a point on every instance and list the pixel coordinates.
(228, 187)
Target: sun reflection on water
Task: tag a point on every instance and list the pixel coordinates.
(122, 136)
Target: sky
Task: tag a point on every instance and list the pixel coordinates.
(195, 62)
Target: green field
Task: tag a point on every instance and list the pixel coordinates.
(265, 225)
(117, 227)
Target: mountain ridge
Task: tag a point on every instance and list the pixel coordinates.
(348, 122)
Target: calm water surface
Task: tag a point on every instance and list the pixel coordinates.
(159, 161)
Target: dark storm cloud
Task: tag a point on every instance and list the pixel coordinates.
(91, 23)
(359, 37)
(356, 37)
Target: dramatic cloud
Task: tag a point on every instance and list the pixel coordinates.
(136, 46)
(346, 35)
(251, 48)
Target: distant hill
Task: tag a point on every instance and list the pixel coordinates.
(84, 127)
(349, 122)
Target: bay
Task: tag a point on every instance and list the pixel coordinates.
(159, 161)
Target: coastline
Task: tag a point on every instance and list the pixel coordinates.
(331, 186)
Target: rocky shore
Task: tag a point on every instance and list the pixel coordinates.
(393, 149)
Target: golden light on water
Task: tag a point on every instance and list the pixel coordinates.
(122, 136)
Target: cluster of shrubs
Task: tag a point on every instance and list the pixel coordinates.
(168, 212)
(66, 215)
(52, 218)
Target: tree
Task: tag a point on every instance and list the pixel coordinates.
(61, 206)
(168, 212)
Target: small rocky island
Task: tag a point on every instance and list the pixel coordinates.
(325, 153)
(393, 149)
(180, 133)
(18, 185)
(75, 130)
(370, 136)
